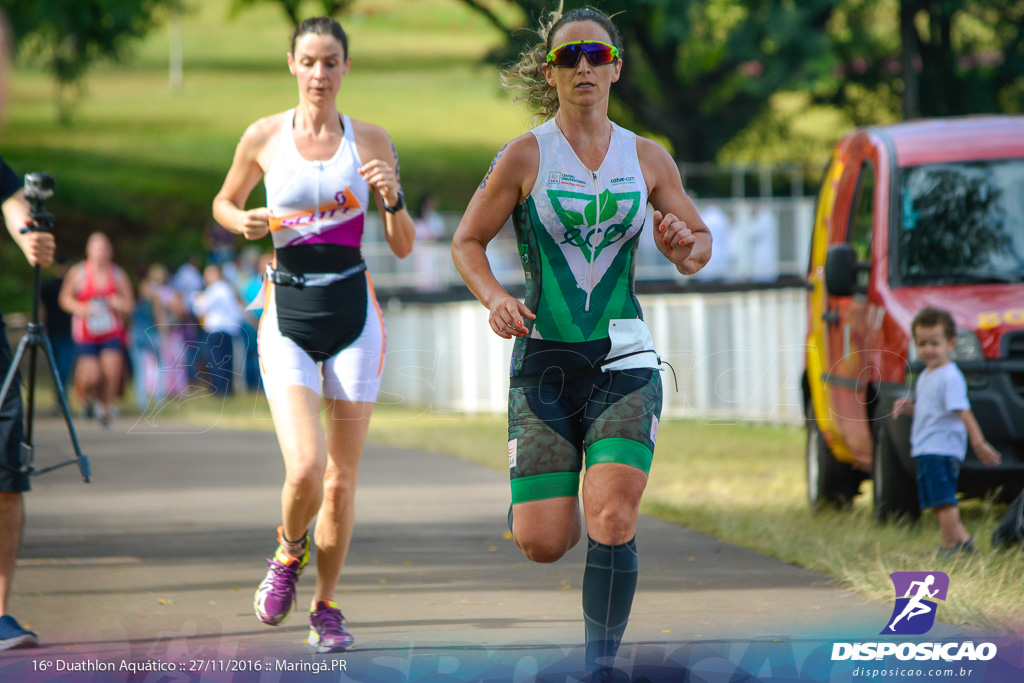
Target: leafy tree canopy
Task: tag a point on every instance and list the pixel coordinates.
(699, 73)
(293, 8)
(69, 37)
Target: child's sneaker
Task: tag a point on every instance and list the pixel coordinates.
(276, 593)
(327, 628)
(960, 548)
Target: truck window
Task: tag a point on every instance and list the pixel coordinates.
(862, 218)
(961, 223)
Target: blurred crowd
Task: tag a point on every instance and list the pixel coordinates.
(172, 331)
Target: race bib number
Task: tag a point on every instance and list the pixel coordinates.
(100, 320)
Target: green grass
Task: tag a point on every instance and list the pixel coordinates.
(743, 484)
(143, 162)
(136, 139)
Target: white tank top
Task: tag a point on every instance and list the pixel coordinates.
(316, 202)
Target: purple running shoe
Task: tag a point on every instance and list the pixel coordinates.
(276, 593)
(326, 629)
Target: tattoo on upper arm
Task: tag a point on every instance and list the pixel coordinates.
(493, 164)
(398, 171)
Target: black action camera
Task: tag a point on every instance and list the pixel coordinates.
(39, 188)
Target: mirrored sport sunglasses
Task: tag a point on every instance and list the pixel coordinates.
(568, 55)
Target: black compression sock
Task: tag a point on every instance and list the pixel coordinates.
(609, 583)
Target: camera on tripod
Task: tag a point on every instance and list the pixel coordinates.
(39, 188)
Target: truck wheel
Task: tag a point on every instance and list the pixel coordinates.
(895, 489)
(830, 483)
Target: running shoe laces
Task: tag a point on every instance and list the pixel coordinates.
(276, 593)
(327, 628)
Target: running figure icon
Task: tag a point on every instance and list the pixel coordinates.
(916, 606)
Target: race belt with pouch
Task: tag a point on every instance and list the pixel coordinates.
(300, 280)
(632, 347)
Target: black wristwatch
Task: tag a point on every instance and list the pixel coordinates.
(399, 205)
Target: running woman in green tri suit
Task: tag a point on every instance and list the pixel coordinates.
(585, 382)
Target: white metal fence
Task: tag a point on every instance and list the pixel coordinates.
(737, 355)
(755, 240)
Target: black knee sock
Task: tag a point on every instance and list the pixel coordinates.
(609, 582)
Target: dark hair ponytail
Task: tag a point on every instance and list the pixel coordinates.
(526, 77)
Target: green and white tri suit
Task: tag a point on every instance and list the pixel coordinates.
(577, 234)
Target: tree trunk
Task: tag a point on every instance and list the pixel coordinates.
(910, 60)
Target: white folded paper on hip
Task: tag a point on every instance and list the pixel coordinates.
(632, 346)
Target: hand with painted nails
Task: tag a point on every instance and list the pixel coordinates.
(673, 239)
(507, 317)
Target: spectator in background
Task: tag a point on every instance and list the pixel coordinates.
(98, 295)
(943, 423)
(221, 247)
(222, 315)
(253, 296)
(58, 325)
(187, 279)
(142, 349)
(158, 338)
(764, 245)
(722, 265)
(246, 267)
(253, 293)
(427, 263)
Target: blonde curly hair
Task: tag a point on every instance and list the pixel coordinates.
(526, 78)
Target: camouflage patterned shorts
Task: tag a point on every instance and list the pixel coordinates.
(610, 417)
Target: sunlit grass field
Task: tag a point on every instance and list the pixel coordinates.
(742, 483)
(142, 160)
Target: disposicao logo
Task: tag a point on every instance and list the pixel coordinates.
(916, 595)
(913, 615)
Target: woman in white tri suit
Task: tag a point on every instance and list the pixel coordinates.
(585, 389)
(321, 330)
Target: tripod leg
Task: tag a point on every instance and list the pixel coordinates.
(13, 371)
(83, 462)
(30, 393)
(27, 454)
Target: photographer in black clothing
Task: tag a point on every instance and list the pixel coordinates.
(38, 248)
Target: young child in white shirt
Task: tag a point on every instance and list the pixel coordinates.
(943, 423)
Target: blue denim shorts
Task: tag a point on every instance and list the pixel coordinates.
(936, 480)
(94, 349)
